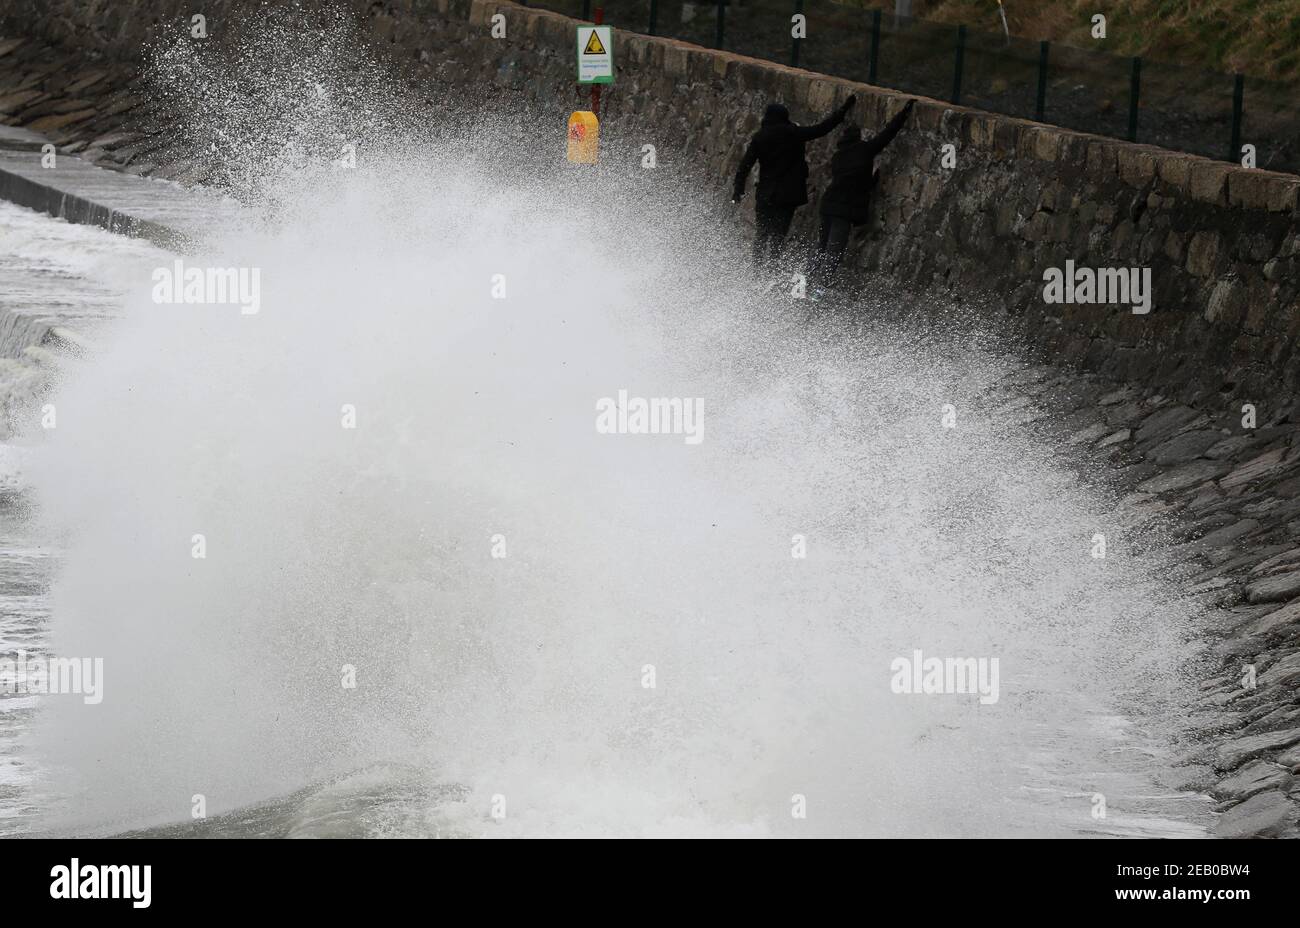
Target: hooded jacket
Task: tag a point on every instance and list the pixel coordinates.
(849, 194)
(778, 148)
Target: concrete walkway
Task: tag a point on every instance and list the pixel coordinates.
(163, 212)
(61, 286)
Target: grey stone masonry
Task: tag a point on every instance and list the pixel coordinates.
(1220, 240)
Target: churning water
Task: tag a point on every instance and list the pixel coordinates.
(466, 315)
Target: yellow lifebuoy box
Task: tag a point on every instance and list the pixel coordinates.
(584, 137)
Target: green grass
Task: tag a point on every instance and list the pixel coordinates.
(1255, 37)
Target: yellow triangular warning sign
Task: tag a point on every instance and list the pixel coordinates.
(593, 45)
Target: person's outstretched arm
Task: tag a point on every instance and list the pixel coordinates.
(808, 133)
(742, 173)
(881, 140)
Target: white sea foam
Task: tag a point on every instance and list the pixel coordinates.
(521, 678)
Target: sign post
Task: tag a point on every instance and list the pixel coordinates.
(595, 67)
(596, 53)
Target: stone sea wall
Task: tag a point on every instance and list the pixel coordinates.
(1220, 240)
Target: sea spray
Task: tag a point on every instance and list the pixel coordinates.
(398, 486)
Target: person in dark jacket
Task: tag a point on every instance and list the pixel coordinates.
(845, 202)
(778, 147)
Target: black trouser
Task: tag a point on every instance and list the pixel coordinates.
(834, 239)
(771, 223)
